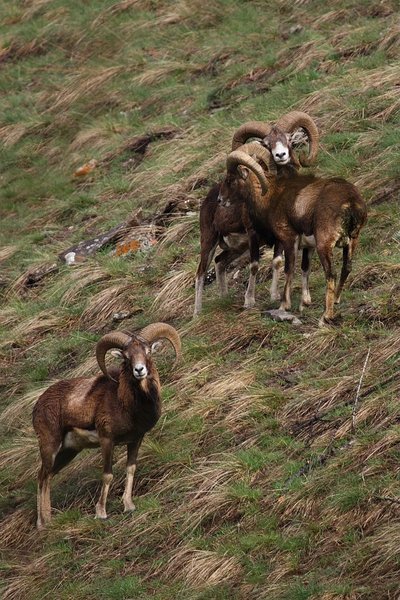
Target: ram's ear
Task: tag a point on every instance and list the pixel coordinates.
(117, 353)
(266, 143)
(155, 346)
(243, 172)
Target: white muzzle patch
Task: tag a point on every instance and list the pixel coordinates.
(280, 153)
(139, 371)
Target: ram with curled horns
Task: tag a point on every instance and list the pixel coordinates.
(118, 407)
(328, 209)
(230, 228)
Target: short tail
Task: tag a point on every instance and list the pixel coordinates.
(355, 217)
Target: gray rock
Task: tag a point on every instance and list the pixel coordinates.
(281, 315)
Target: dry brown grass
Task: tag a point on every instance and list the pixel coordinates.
(87, 368)
(29, 330)
(215, 398)
(16, 529)
(244, 333)
(327, 104)
(179, 230)
(101, 307)
(83, 85)
(8, 316)
(375, 273)
(27, 576)
(208, 496)
(22, 457)
(18, 413)
(299, 58)
(11, 134)
(201, 568)
(382, 566)
(94, 139)
(307, 413)
(115, 9)
(228, 380)
(82, 276)
(7, 252)
(173, 299)
(32, 278)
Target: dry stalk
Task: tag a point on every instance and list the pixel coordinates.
(354, 411)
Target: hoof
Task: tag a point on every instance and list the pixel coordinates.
(130, 508)
(306, 302)
(328, 322)
(248, 305)
(304, 305)
(101, 513)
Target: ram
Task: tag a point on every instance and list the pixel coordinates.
(117, 407)
(330, 209)
(230, 227)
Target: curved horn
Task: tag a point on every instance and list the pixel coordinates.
(257, 129)
(156, 331)
(258, 151)
(237, 157)
(292, 121)
(115, 339)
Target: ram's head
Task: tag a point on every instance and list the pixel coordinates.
(282, 138)
(136, 350)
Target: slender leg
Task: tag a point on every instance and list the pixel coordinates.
(133, 450)
(249, 298)
(346, 268)
(290, 258)
(48, 455)
(43, 499)
(207, 252)
(221, 263)
(325, 252)
(277, 263)
(199, 285)
(107, 447)
(305, 276)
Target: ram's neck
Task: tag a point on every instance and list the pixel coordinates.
(139, 395)
(258, 203)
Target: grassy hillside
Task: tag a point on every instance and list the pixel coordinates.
(265, 478)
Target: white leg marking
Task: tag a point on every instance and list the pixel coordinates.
(249, 298)
(101, 504)
(199, 294)
(43, 503)
(127, 497)
(305, 291)
(286, 296)
(276, 273)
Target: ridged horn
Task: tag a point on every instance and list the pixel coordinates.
(258, 151)
(157, 331)
(115, 339)
(257, 129)
(237, 157)
(292, 121)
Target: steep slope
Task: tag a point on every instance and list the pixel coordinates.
(270, 475)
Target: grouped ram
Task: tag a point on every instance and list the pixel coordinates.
(230, 227)
(117, 407)
(329, 209)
